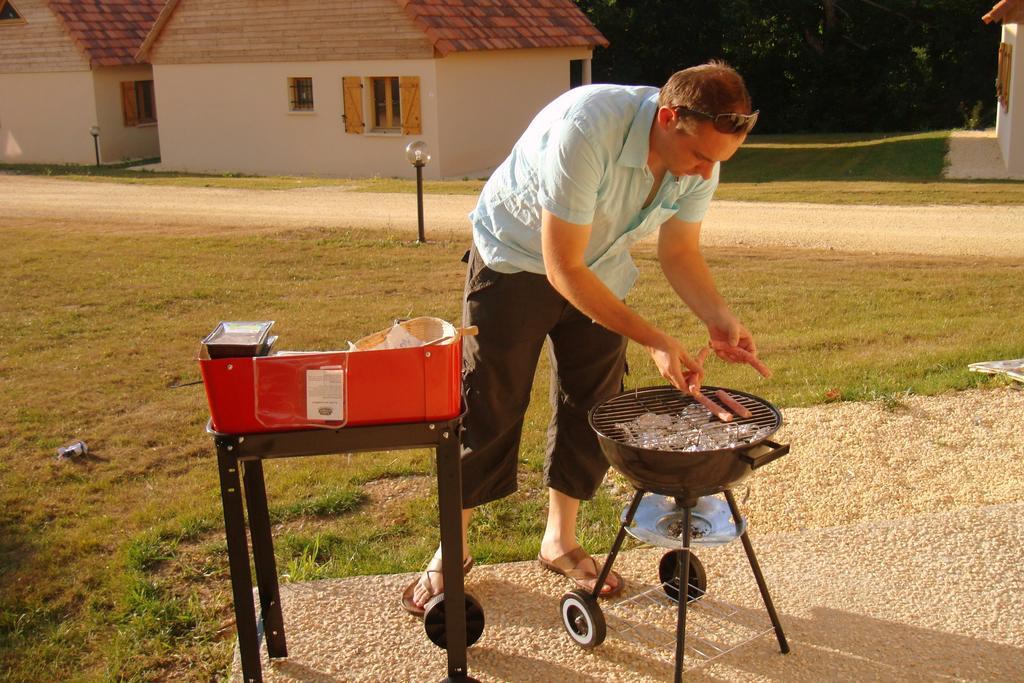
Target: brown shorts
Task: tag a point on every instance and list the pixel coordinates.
(515, 313)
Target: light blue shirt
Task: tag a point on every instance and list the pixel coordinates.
(584, 159)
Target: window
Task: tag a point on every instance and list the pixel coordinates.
(138, 105)
(393, 103)
(300, 94)
(8, 12)
(575, 73)
(386, 104)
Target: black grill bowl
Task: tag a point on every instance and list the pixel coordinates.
(685, 475)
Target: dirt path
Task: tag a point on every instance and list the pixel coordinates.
(139, 209)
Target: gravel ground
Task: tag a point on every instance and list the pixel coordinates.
(892, 551)
(54, 204)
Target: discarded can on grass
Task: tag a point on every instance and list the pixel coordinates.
(75, 449)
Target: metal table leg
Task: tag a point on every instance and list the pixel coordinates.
(762, 586)
(238, 561)
(449, 502)
(263, 559)
(234, 449)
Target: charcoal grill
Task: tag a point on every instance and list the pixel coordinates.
(689, 475)
(675, 482)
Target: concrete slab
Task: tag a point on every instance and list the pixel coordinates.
(974, 154)
(933, 596)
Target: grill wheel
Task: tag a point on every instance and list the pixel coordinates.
(433, 620)
(583, 619)
(698, 580)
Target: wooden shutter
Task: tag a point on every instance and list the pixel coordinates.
(129, 105)
(1003, 75)
(352, 92)
(410, 87)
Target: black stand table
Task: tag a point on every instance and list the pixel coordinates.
(240, 460)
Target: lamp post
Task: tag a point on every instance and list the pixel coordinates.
(416, 153)
(95, 133)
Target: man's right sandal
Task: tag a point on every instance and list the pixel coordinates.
(407, 602)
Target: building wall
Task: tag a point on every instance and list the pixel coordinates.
(239, 31)
(486, 100)
(39, 43)
(118, 141)
(1010, 124)
(236, 118)
(46, 117)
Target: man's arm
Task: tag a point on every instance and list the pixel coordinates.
(686, 270)
(563, 245)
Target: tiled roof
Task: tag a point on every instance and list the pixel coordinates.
(1006, 11)
(108, 31)
(469, 25)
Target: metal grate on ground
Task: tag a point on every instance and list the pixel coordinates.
(714, 628)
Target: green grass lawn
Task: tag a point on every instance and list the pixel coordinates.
(902, 169)
(114, 566)
(917, 157)
(897, 169)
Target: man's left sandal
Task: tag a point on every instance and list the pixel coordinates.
(573, 566)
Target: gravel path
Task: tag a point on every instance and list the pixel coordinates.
(48, 203)
(892, 551)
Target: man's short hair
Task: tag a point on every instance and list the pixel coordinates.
(713, 88)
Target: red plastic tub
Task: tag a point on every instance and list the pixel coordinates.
(268, 394)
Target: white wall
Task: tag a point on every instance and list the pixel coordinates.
(235, 118)
(46, 117)
(117, 141)
(486, 100)
(1010, 124)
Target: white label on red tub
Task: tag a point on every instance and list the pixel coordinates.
(325, 394)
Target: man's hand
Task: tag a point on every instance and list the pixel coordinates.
(677, 366)
(732, 342)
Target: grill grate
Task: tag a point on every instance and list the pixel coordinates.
(667, 400)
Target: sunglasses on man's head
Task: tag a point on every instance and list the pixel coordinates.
(724, 123)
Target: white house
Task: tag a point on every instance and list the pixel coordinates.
(68, 67)
(1009, 90)
(341, 87)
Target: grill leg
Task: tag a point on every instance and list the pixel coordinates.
(449, 503)
(238, 561)
(607, 569)
(683, 567)
(762, 586)
(263, 559)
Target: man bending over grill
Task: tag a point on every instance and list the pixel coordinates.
(598, 169)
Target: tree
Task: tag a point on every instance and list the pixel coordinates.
(815, 65)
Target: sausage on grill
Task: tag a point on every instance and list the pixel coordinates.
(716, 410)
(732, 404)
